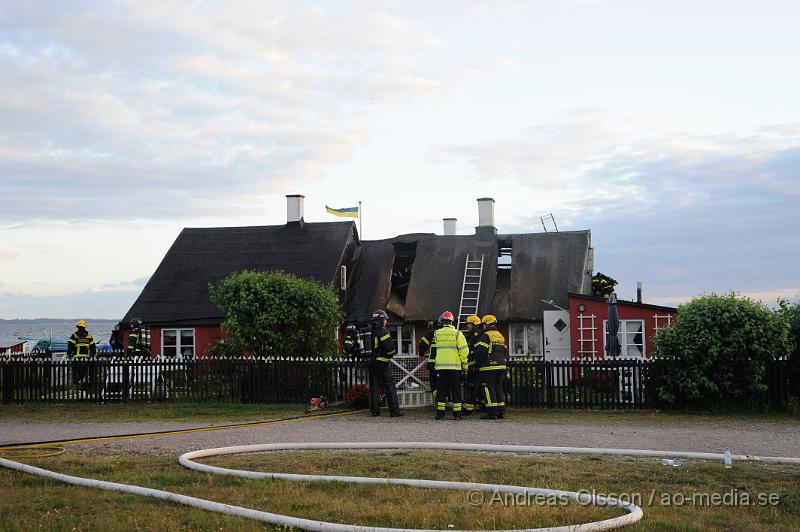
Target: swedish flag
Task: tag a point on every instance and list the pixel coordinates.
(347, 212)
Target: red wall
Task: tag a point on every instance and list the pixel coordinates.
(626, 311)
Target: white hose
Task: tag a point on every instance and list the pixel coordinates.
(633, 515)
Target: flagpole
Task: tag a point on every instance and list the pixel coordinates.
(360, 226)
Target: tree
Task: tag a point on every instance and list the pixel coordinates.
(720, 346)
(275, 313)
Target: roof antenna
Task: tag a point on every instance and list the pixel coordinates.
(548, 217)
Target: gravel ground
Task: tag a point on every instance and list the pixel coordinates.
(757, 438)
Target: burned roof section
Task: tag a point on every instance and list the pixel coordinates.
(416, 277)
(178, 290)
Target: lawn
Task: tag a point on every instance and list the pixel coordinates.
(190, 412)
(230, 412)
(28, 502)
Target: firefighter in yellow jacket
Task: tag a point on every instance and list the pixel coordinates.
(80, 347)
(491, 354)
(451, 363)
(472, 381)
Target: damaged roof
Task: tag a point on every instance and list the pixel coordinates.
(543, 266)
(178, 290)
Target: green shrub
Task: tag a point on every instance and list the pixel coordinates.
(791, 314)
(719, 346)
(275, 313)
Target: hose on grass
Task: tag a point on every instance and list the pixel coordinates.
(23, 451)
(634, 513)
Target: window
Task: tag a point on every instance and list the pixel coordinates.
(403, 336)
(631, 337)
(525, 339)
(177, 342)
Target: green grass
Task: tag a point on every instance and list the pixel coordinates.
(225, 412)
(28, 502)
(99, 413)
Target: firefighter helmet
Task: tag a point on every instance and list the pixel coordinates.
(447, 316)
(81, 323)
(136, 323)
(489, 319)
(380, 315)
(474, 320)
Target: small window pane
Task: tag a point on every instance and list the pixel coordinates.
(408, 346)
(170, 337)
(534, 332)
(517, 333)
(187, 351)
(634, 351)
(187, 337)
(170, 351)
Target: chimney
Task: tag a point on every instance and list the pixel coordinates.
(486, 229)
(449, 226)
(639, 292)
(294, 209)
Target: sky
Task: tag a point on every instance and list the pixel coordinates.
(671, 130)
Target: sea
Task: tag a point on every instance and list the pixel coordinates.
(12, 330)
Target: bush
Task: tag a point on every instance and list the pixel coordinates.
(791, 315)
(277, 314)
(720, 346)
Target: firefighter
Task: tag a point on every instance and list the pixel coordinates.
(451, 363)
(491, 354)
(116, 342)
(472, 380)
(380, 371)
(602, 285)
(80, 348)
(426, 345)
(135, 338)
(351, 345)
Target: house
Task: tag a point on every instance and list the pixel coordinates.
(639, 323)
(175, 303)
(13, 349)
(532, 282)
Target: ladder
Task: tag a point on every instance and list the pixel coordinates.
(471, 290)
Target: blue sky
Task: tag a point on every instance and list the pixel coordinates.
(670, 129)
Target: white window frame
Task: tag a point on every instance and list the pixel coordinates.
(397, 332)
(622, 334)
(178, 346)
(526, 347)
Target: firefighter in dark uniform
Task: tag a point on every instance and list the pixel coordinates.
(351, 345)
(491, 354)
(602, 285)
(451, 364)
(426, 346)
(380, 371)
(80, 348)
(472, 381)
(135, 339)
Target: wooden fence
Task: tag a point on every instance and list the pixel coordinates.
(618, 384)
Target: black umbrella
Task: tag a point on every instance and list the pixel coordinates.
(612, 342)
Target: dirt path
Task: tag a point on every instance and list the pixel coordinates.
(756, 437)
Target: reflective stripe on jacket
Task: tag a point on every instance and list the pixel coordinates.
(383, 347)
(81, 346)
(451, 348)
(491, 352)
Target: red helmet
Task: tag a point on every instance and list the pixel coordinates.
(447, 315)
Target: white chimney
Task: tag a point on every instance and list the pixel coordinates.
(485, 212)
(486, 229)
(294, 208)
(449, 226)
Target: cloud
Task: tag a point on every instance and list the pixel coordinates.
(686, 214)
(142, 109)
(135, 285)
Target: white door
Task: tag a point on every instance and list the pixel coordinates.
(556, 335)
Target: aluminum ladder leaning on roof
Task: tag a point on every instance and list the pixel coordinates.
(470, 290)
